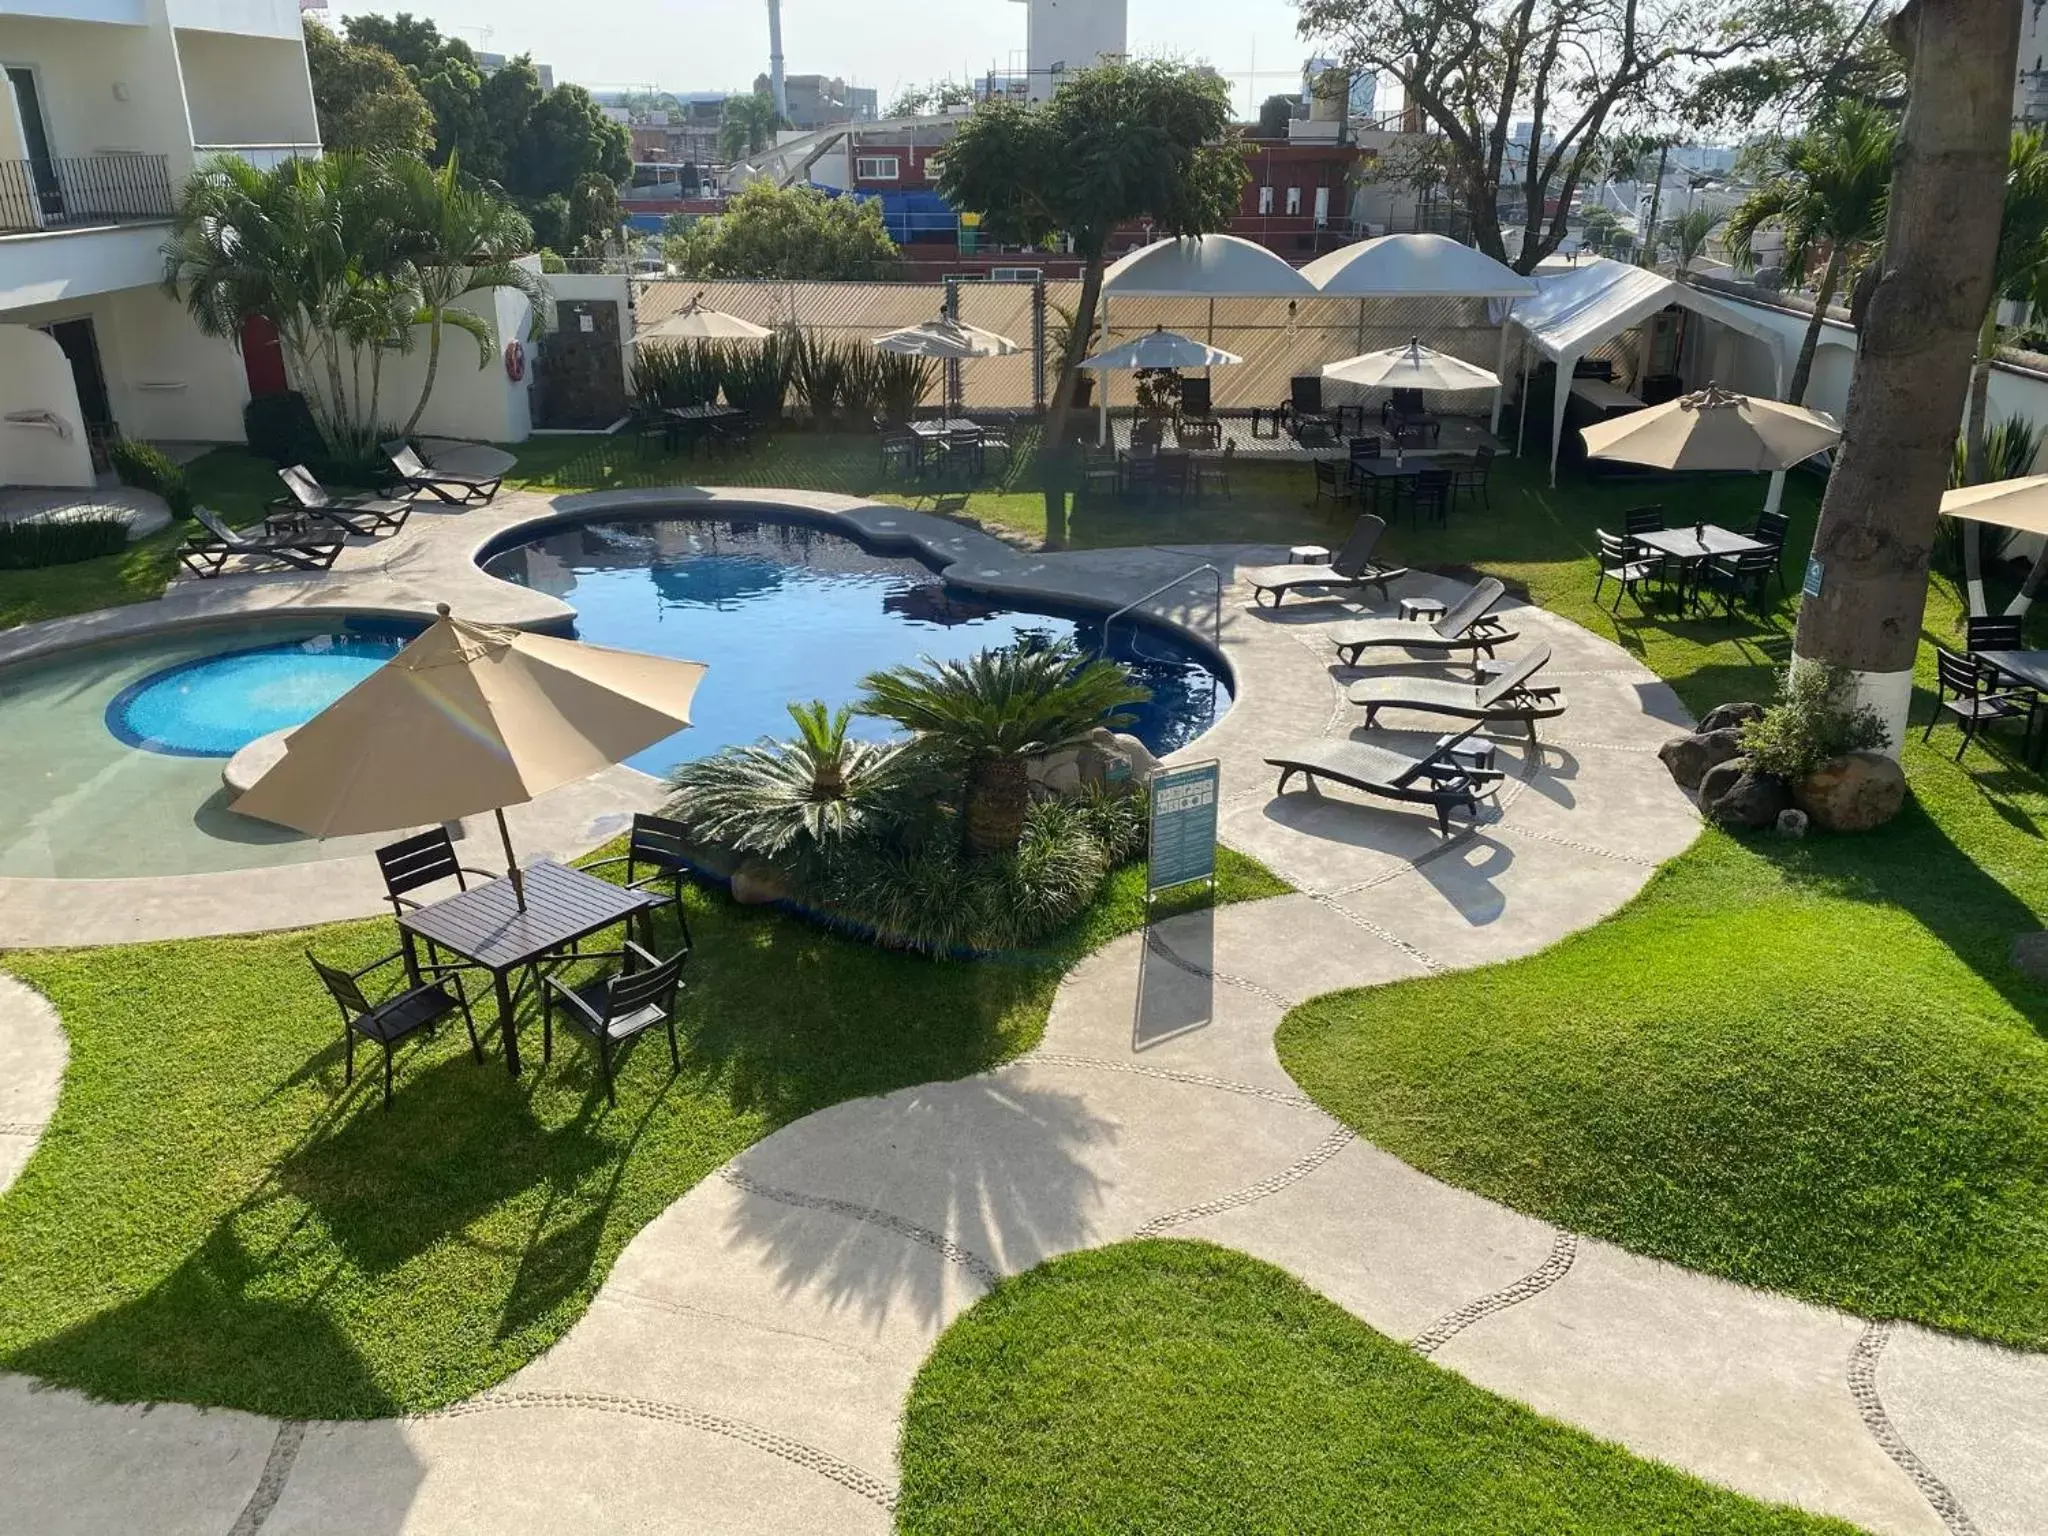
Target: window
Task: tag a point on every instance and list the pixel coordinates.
(1016, 274)
(1322, 206)
(1293, 202)
(878, 168)
(1265, 199)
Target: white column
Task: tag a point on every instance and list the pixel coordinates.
(1500, 374)
(1522, 431)
(1563, 395)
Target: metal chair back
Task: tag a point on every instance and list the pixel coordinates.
(306, 491)
(1643, 520)
(1996, 632)
(342, 987)
(1960, 675)
(405, 460)
(658, 841)
(655, 987)
(1771, 528)
(1195, 397)
(418, 861)
(1614, 549)
(1364, 448)
(1305, 391)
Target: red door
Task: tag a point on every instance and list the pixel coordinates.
(262, 358)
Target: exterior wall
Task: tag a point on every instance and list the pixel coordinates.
(105, 90)
(1074, 34)
(50, 268)
(35, 376)
(468, 401)
(247, 90)
(127, 13)
(250, 18)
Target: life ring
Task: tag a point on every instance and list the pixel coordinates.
(515, 360)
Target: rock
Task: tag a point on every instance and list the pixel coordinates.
(1105, 770)
(1689, 757)
(1853, 793)
(1756, 801)
(1724, 717)
(1791, 823)
(1721, 778)
(757, 883)
(1063, 779)
(1038, 769)
(1143, 763)
(2030, 955)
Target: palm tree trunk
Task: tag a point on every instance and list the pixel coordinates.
(1975, 469)
(998, 796)
(2018, 607)
(433, 367)
(1877, 521)
(1056, 452)
(1656, 202)
(1809, 345)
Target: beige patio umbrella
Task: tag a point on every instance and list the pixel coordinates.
(1715, 429)
(2020, 504)
(470, 718)
(947, 340)
(693, 322)
(1411, 367)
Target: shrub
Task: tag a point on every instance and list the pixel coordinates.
(902, 383)
(1811, 723)
(30, 546)
(755, 376)
(147, 468)
(281, 428)
(677, 374)
(818, 373)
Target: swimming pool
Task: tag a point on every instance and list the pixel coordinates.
(110, 756)
(787, 611)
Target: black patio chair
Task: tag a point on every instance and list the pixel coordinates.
(1623, 562)
(1305, 395)
(1429, 493)
(420, 861)
(1994, 632)
(613, 1011)
(206, 553)
(397, 1017)
(1978, 699)
(1747, 575)
(1471, 476)
(902, 453)
(1646, 520)
(1196, 398)
(1101, 471)
(1214, 473)
(1330, 482)
(1174, 475)
(661, 847)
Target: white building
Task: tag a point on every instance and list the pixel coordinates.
(2030, 89)
(1062, 36)
(105, 108)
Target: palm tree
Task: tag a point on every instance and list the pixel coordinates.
(1689, 233)
(2022, 263)
(1826, 190)
(749, 125)
(467, 240)
(995, 711)
(800, 797)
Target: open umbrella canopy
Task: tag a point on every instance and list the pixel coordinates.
(1414, 267)
(693, 322)
(1204, 267)
(947, 340)
(1411, 367)
(2020, 504)
(470, 718)
(1160, 348)
(1714, 429)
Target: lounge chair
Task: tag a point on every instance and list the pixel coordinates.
(204, 554)
(366, 516)
(1350, 567)
(1514, 695)
(456, 490)
(1451, 776)
(1470, 625)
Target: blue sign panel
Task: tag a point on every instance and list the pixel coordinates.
(1814, 574)
(1184, 804)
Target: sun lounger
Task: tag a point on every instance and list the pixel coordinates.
(1513, 695)
(1469, 625)
(366, 516)
(1451, 776)
(204, 554)
(444, 485)
(1351, 566)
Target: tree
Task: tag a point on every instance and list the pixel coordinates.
(1825, 192)
(994, 712)
(749, 126)
(464, 241)
(1116, 144)
(1473, 70)
(931, 100)
(1802, 58)
(412, 40)
(787, 232)
(1689, 233)
(1934, 283)
(1275, 113)
(364, 99)
(564, 139)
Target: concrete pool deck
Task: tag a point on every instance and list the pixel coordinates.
(745, 1364)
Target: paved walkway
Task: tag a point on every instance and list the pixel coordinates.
(744, 1366)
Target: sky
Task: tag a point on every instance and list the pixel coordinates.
(723, 44)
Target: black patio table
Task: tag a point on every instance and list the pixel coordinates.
(1692, 548)
(941, 428)
(485, 926)
(2027, 667)
(703, 412)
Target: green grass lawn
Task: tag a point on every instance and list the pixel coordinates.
(211, 1219)
(1178, 1387)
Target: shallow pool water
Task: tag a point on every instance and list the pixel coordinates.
(790, 611)
(110, 756)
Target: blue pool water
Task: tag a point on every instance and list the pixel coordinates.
(213, 706)
(789, 611)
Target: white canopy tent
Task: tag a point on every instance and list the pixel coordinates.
(1596, 300)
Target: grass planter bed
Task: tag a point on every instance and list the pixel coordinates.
(1175, 1386)
(210, 1219)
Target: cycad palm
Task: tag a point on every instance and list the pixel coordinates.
(1827, 192)
(995, 711)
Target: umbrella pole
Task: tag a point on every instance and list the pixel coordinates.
(511, 861)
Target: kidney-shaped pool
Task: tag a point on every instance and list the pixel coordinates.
(110, 756)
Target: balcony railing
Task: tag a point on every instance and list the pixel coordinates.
(88, 190)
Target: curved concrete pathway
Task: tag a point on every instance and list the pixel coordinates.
(745, 1365)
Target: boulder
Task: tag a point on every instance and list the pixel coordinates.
(2030, 955)
(1062, 779)
(1756, 801)
(1721, 778)
(1689, 757)
(1724, 717)
(1853, 793)
(1143, 763)
(1039, 769)
(1791, 823)
(757, 883)
(1103, 769)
